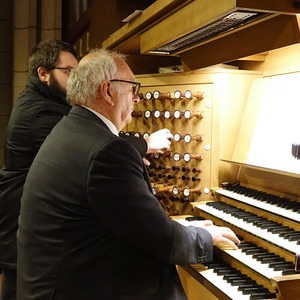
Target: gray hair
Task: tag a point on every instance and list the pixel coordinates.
(85, 79)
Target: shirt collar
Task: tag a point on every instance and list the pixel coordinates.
(107, 122)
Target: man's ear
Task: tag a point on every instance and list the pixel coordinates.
(105, 92)
(43, 74)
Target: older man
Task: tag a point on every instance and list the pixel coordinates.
(38, 109)
(90, 228)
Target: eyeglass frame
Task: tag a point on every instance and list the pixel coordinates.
(135, 85)
(63, 68)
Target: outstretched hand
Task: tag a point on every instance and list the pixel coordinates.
(159, 141)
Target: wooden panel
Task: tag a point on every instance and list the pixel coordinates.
(143, 64)
(182, 126)
(274, 33)
(192, 287)
(280, 6)
(279, 61)
(149, 16)
(191, 17)
(220, 89)
(287, 286)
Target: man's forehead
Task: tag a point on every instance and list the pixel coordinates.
(67, 57)
(124, 69)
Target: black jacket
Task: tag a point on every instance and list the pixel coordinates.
(90, 227)
(37, 110)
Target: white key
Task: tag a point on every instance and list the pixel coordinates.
(262, 233)
(261, 204)
(227, 288)
(254, 264)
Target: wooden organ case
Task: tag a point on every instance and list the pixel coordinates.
(204, 175)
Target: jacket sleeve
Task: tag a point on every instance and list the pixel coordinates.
(138, 142)
(119, 196)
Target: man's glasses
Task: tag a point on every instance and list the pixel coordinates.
(135, 85)
(67, 70)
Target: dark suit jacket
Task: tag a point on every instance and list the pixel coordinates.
(90, 228)
(36, 112)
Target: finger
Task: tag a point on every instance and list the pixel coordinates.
(198, 224)
(167, 144)
(207, 222)
(146, 161)
(229, 234)
(225, 243)
(167, 132)
(169, 135)
(227, 230)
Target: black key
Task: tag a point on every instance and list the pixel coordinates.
(282, 267)
(245, 249)
(294, 232)
(238, 282)
(283, 233)
(224, 271)
(239, 274)
(245, 286)
(266, 260)
(274, 227)
(279, 263)
(245, 243)
(289, 272)
(220, 266)
(279, 229)
(261, 296)
(294, 238)
(250, 219)
(214, 265)
(265, 225)
(260, 256)
(289, 234)
(251, 291)
(259, 251)
(233, 279)
(253, 251)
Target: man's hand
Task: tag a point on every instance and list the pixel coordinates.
(223, 237)
(159, 141)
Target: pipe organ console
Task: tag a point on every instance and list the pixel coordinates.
(198, 179)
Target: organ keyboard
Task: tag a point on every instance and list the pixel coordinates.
(264, 265)
(271, 203)
(253, 223)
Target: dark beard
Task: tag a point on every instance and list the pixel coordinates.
(56, 87)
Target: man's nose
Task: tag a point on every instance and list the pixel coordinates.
(136, 98)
